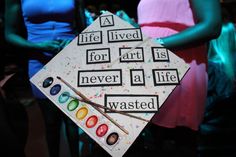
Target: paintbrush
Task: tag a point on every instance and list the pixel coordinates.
(134, 47)
(84, 98)
(107, 108)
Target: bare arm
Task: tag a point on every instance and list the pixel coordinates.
(14, 28)
(208, 26)
(13, 24)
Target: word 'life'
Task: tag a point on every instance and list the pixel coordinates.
(90, 38)
(165, 77)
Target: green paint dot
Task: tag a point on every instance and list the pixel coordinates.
(73, 104)
(64, 97)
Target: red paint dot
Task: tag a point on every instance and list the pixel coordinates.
(101, 130)
(91, 121)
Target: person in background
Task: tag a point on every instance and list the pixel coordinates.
(41, 28)
(10, 143)
(13, 116)
(117, 7)
(218, 129)
(184, 27)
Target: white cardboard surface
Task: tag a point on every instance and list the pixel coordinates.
(138, 82)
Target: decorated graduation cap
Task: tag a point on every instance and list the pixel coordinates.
(111, 80)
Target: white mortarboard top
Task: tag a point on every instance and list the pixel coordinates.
(114, 65)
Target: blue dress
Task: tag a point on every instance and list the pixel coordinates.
(46, 20)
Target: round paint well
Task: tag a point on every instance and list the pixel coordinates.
(91, 121)
(64, 97)
(47, 82)
(81, 113)
(112, 138)
(55, 89)
(101, 130)
(72, 105)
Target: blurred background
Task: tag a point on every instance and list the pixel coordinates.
(18, 90)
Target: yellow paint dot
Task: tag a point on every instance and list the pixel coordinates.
(81, 113)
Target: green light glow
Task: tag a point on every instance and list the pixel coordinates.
(222, 50)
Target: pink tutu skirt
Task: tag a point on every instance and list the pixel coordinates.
(185, 106)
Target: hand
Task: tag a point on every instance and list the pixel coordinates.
(49, 46)
(53, 46)
(102, 11)
(64, 42)
(160, 41)
(122, 14)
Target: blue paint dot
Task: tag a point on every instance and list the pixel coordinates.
(64, 97)
(55, 89)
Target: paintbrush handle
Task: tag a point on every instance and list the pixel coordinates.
(113, 110)
(74, 90)
(98, 109)
(116, 111)
(111, 119)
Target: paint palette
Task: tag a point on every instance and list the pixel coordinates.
(83, 114)
(116, 66)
